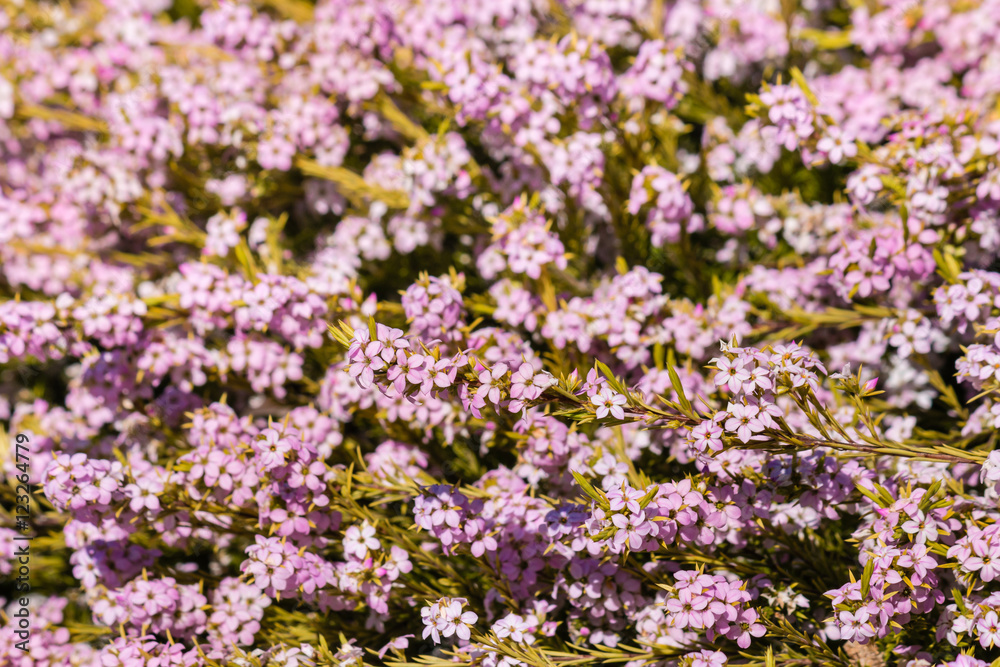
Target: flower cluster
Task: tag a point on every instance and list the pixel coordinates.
(445, 618)
(507, 334)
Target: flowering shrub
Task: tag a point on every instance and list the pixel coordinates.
(503, 334)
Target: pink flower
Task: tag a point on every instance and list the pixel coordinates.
(743, 421)
(527, 383)
(358, 541)
(745, 627)
(855, 626)
(988, 628)
(409, 369)
(445, 618)
(731, 374)
(837, 145)
(492, 383)
(632, 530)
(686, 609)
(144, 494)
(707, 658)
(707, 436)
(515, 627)
(399, 643)
(271, 448)
(366, 359)
(609, 402)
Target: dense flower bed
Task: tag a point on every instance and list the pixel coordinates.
(501, 333)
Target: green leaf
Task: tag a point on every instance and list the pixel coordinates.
(798, 77)
(648, 498)
(589, 489)
(948, 266)
(932, 490)
(613, 381)
(343, 333)
(245, 258)
(959, 601)
(827, 40)
(884, 494)
(685, 404)
(565, 393)
(870, 495)
(866, 576)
